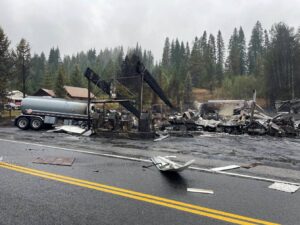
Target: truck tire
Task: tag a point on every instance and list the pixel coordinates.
(36, 123)
(23, 123)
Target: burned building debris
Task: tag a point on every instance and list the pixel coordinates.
(144, 121)
(235, 117)
(121, 92)
(289, 106)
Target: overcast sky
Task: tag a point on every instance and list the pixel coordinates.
(76, 25)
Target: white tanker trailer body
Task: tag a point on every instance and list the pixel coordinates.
(40, 111)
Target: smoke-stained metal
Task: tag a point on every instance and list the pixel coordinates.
(104, 86)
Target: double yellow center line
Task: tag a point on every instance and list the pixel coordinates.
(194, 209)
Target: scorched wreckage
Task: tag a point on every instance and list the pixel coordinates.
(135, 120)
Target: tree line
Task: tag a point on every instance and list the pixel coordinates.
(269, 63)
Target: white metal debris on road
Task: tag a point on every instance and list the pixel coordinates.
(230, 167)
(165, 164)
(284, 187)
(69, 129)
(198, 190)
(87, 133)
(162, 137)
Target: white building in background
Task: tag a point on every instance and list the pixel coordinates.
(15, 97)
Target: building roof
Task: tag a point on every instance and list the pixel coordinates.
(44, 92)
(77, 92)
(48, 91)
(15, 95)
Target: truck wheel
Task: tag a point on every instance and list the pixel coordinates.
(23, 123)
(36, 123)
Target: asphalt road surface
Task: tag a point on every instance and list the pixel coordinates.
(105, 190)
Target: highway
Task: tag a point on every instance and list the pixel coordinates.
(104, 190)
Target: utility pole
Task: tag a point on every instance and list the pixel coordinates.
(89, 104)
(23, 75)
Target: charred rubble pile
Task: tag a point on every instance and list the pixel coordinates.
(234, 117)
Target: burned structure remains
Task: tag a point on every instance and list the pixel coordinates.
(237, 117)
(104, 116)
(126, 90)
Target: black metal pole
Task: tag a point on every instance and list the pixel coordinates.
(141, 103)
(89, 104)
(142, 93)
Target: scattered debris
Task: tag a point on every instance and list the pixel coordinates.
(170, 156)
(251, 165)
(197, 190)
(87, 133)
(284, 187)
(230, 167)
(290, 106)
(60, 161)
(33, 149)
(69, 129)
(234, 117)
(165, 164)
(162, 137)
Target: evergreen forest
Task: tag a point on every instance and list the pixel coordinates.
(268, 62)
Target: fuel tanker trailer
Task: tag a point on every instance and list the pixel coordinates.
(40, 111)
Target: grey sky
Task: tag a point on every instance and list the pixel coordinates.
(75, 25)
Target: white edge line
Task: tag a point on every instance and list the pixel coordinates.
(146, 160)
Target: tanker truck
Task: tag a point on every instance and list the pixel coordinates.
(38, 112)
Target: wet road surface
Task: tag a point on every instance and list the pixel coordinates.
(30, 199)
(279, 158)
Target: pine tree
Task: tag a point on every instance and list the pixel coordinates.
(195, 63)
(22, 63)
(91, 56)
(37, 70)
(255, 50)
(138, 51)
(60, 82)
(175, 55)
(47, 79)
(233, 60)
(76, 77)
(297, 65)
(187, 51)
(188, 91)
(54, 61)
(220, 57)
(119, 62)
(204, 61)
(266, 41)
(211, 62)
(166, 54)
(186, 58)
(281, 62)
(242, 52)
(6, 63)
(175, 61)
(203, 43)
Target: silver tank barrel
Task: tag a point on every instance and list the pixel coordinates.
(55, 105)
